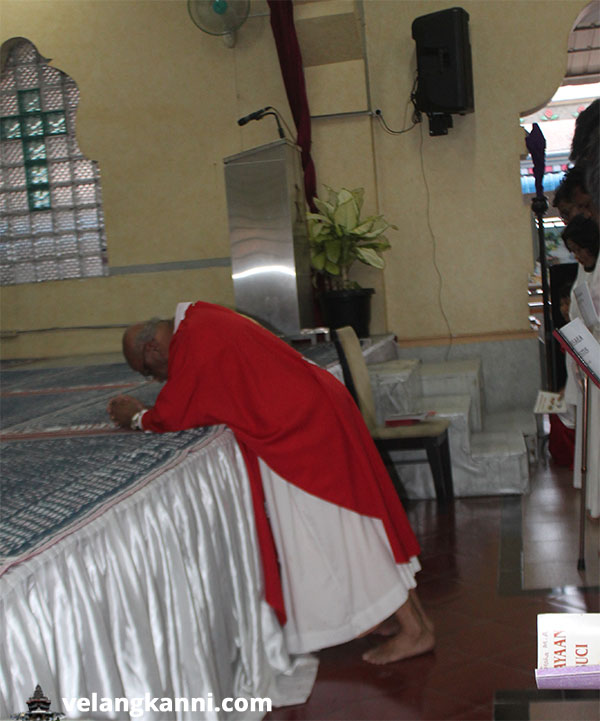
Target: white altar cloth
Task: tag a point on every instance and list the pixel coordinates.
(161, 594)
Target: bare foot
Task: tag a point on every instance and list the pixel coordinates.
(389, 627)
(414, 637)
(399, 647)
(418, 608)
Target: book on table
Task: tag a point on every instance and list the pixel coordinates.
(408, 419)
(568, 650)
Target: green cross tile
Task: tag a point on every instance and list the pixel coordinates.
(31, 126)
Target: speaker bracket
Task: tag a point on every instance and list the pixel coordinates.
(439, 123)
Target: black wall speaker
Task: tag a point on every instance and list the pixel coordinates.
(444, 70)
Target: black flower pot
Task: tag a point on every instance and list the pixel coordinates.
(348, 307)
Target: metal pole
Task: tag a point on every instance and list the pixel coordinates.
(582, 500)
(539, 206)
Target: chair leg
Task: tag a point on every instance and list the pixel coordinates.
(393, 472)
(436, 470)
(437, 465)
(447, 468)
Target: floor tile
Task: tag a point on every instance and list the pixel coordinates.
(476, 713)
(571, 710)
(548, 551)
(570, 599)
(521, 656)
(489, 567)
(476, 682)
(555, 573)
(546, 705)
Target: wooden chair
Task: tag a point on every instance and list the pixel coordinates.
(429, 435)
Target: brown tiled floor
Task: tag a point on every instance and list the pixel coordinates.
(551, 536)
(472, 586)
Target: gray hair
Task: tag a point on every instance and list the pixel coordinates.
(146, 334)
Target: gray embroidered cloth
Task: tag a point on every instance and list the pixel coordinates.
(50, 484)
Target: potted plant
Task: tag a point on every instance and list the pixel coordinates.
(338, 237)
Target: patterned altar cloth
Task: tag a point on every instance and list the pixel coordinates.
(63, 463)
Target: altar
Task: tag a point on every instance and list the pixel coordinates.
(128, 561)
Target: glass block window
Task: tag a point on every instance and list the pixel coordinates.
(51, 219)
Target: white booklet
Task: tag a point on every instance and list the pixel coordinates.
(568, 639)
(548, 402)
(577, 340)
(568, 651)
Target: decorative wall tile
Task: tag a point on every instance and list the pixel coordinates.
(41, 223)
(12, 153)
(17, 201)
(67, 244)
(64, 220)
(62, 196)
(19, 224)
(69, 268)
(44, 248)
(50, 193)
(7, 275)
(57, 148)
(24, 273)
(8, 105)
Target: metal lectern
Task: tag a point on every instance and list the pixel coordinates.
(270, 259)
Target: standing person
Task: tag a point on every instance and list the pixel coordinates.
(585, 152)
(340, 537)
(571, 198)
(582, 238)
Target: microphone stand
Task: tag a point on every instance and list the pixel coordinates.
(279, 128)
(260, 114)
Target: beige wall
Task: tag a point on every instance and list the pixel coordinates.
(159, 104)
(456, 198)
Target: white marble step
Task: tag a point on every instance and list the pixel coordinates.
(493, 443)
(520, 420)
(400, 384)
(503, 456)
(456, 378)
(396, 386)
(490, 453)
(457, 409)
(494, 463)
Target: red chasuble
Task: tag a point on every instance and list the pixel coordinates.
(226, 369)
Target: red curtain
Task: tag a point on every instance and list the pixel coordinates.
(290, 61)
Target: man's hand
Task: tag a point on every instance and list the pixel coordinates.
(122, 409)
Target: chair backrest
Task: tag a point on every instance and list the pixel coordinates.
(354, 364)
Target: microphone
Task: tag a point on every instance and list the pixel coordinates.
(256, 115)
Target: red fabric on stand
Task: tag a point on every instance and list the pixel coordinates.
(290, 61)
(294, 415)
(561, 443)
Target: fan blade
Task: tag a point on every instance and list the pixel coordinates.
(219, 17)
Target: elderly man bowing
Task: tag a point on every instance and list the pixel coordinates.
(338, 553)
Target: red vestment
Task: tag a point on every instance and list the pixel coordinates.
(303, 423)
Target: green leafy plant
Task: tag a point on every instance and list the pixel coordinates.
(338, 237)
